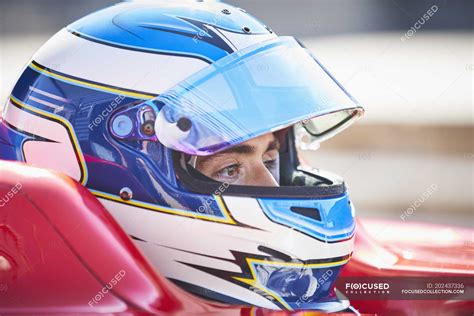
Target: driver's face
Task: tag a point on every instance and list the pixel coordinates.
(254, 162)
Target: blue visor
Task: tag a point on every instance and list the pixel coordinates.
(254, 91)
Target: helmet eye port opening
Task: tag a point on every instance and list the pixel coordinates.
(296, 181)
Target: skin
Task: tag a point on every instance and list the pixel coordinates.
(254, 162)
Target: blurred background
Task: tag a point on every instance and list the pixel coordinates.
(413, 152)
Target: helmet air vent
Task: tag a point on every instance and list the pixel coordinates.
(310, 212)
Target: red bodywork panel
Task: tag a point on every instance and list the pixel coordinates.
(399, 249)
(59, 248)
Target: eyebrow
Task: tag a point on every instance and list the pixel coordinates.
(242, 149)
(249, 149)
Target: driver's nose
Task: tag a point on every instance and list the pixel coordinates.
(261, 176)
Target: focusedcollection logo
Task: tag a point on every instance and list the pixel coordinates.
(367, 288)
(3, 287)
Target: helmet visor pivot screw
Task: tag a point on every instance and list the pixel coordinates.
(126, 194)
(148, 128)
(184, 124)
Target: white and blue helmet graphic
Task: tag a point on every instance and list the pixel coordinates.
(117, 98)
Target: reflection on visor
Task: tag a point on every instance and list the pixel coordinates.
(260, 89)
(322, 125)
(298, 287)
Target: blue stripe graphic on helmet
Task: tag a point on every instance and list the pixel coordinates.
(81, 105)
(170, 29)
(336, 223)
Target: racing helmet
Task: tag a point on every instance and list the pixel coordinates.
(120, 99)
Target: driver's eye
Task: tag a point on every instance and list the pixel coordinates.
(231, 171)
(270, 164)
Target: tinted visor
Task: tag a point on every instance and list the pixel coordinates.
(261, 89)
